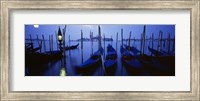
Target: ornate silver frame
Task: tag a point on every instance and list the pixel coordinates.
(8, 5)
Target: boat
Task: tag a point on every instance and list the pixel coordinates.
(29, 48)
(161, 64)
(158, 65)
(72, 47)
(111, 60)
(132, 64)
(42, 58)
(133, 49)
(91, 64)
(156, 53)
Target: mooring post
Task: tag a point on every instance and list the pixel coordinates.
(144, 34)
(122, 36)
(50, 43)
(158, 42)
(148, 40)
(141, 44)
(161, 41)
(31, 41)
(100, 46)
(39, 44)
(104, 46)
(99, 31)
(152, 42)
(44, 43)
(82, 46)
(64, 40)
(69, 40)
(56, 36)
(92, 43)
(116, 41)
(111, 40)
(168, 43)
(129, 41)
(81, 39)
(134, 41)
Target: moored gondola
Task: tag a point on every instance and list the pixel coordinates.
(91, 64)
(160, 64)
(133, 49)
(72, 47)
(131, 63)
(156, 53)
(111, 60)
(43, 57)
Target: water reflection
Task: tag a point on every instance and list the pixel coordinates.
(63, 72)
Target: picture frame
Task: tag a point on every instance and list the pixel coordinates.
(7, 6)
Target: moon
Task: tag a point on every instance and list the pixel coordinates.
(36, 26)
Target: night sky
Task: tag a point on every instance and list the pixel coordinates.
(109, 30)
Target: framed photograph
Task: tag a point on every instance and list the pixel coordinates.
(99, 50)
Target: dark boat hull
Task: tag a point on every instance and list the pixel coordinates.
(36, 63)
(111, 61)
(133, 66)
(89, 69)
(110, 66)
(89, 66)
(158, 68)
(72, 47)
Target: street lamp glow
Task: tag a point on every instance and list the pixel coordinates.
(59, 37)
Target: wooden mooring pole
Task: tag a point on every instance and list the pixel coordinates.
(39, 43)
(141, 44)
(81, 46)
(158, 46)
(129, 41)
(69, 40)
(44, 43)
(56, 36)
(64, 32)
(122, 37)
(99, 46)
(152, 39)
(144, 34)
(161, 41)
(104, 46)
(134, 42)
(92, 42)
(111, 40)
(31, 41)
(168, 43)
(50, 43)
(81, 39)
(99, 37)
(116, 41)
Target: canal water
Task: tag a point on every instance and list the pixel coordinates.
(66, 66)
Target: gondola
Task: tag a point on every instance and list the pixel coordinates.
(156, 53)
(131, 63)
(42, 57)
(159, 64)
(111, 60)
(72, 47)
(133, 49)
(90, 65)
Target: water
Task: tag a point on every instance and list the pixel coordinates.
(66, 66)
